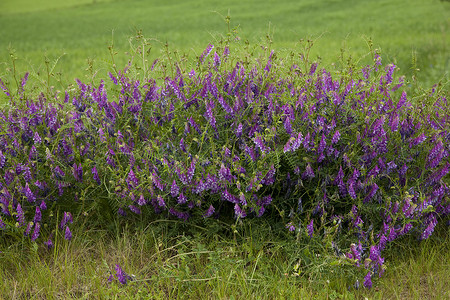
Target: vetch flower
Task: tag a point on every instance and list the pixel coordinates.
(141, 200)
(216, 59)
(181, 198)
(20, 215)
(309, 173)
(297, 142)
(310, 228)
(368, 281)
(134, 209)
(239, 213)
(287, 126)
(290, 226)
(28, 229)
(335, 137)
(67, 234)
(174, 189)
(372, 192)
(43, 206)
(205, 53)
(209, 212)
(78, 172)
(35, 234)
(431, 221)
(67, 218)
(37, 215)
(36, 138)
(28, 193)
(121, 275)
(49, 244)
(132, 181)
(58, 173)
(161, 202)
(95, 175)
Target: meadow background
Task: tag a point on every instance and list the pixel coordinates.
(74, 31)
(73, 37)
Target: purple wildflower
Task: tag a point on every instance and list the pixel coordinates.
(322, 144)
(113, 78)
(290, 226)
(121, 275)
(4, 88)
(405, 229)
(35, 234)
(209, 212)
(36, 138)
(205, 53)
(101, 135)
(28, 193)
(78, 172)
(95, 175)
(288, 126)
(287, 147)
(229, 197)
(37, 215)
(28, 229)
(2, 159)
(309, 173)
(310, 228)
(134, 209)
(351, 188)
(160, 201)
(368, 281)
(372, 192)
(239, 212)
(226, 51)
(181, 198)
(179, 214)
(67, 218)
(393, 123)
(141, 200)
(297, 142)
(20, 215)
(174, 189)
(33, 153)
(382, 243)
(67, 234)
(132, 181)
(191, 171)
(340, 182)
(49, 244)
(432, 221)
(121, 212)
(335, 137)
(435, 155)
(43, 206)
(216, 59)
(58, 172)
(239, 130)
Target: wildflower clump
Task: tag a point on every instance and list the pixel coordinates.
(350, 156)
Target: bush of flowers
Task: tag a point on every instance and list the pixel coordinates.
(348, 158)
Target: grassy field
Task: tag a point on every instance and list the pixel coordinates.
(78, 30)
(166, 258)
(168, 262)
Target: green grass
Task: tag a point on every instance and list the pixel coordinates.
(83, 29)
(170, 261)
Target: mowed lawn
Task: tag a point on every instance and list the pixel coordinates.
(78, 30)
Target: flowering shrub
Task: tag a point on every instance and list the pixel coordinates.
(352, 158)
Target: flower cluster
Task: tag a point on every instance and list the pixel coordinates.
(234, 138)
